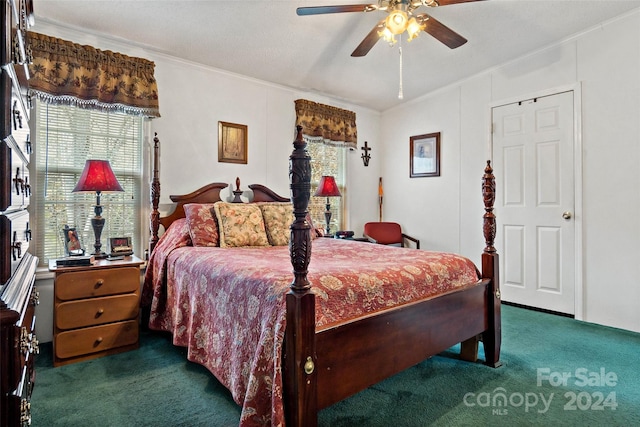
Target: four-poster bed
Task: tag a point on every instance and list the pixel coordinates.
(308, 350)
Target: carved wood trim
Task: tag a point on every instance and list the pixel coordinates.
(489, 197)
(154, 216)
(300, 381)
(264, 194)
(492, 337)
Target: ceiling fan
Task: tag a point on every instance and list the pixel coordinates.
(401, 17)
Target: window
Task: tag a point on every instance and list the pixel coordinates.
(328, 131)
(65, 137)
(327, 160)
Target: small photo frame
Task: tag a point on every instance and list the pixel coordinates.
(232, 143)
(424, 155)
(72, 243)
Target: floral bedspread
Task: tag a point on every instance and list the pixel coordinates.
(227, 305)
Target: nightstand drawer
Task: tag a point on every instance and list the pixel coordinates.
(97, 283)
(85, 341)
(96, 311)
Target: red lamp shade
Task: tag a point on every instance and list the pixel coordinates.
(327, 187)
(97, 176)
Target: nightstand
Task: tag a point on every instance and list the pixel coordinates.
(96, 309)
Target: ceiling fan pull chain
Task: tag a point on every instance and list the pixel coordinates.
(400, 94)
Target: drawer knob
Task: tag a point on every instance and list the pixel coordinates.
(35, 345)
(99, 283)
(27, 187)
(16, 246)
(100, 312)
(98, 341)
(35, 298)
(17, 117)
(25, 341)
(25, 412)
(19, 182)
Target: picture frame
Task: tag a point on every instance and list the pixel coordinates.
(72, 243)
(424, 155)
(232, 143)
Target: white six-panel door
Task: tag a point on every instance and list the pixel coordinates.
(534, 168)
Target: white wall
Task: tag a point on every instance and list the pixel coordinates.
(446, 212)
(427, 208)
(608, 64)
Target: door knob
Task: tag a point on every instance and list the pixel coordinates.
(566, 215)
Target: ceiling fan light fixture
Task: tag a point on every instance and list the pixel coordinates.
(399, 18)
(414, 28)
(397, 22)
(387, 36)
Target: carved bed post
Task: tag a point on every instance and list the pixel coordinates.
(300, 386)
(492, 337)
(155, 196)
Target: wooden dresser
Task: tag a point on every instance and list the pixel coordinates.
(96, 309)
(18, 296)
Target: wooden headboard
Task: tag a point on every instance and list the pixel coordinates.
(265, 194)
(210, 193)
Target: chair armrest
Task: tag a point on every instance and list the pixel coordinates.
(413, 239)
(370, 239)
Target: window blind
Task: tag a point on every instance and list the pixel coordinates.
(66, 136)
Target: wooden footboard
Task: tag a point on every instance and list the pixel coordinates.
(357, 355)
(324, 367)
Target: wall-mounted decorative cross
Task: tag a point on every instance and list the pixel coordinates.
(366, 156)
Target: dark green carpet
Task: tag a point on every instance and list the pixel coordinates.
(157, 386)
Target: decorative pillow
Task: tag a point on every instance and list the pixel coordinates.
(278, 217)
(203, 227)
(240, 225)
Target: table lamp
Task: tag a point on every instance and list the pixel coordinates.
(99, 177)
(327, 187)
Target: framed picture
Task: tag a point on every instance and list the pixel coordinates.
(424, 155)
(72, 244)
(232, 143)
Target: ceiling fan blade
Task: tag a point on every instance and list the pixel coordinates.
(446, 2)
(441, 32)
(369, 41)
(319, 10)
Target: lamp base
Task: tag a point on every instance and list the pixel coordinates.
(327, 217)
(97, 223)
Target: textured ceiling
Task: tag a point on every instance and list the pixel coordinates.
(266, 40)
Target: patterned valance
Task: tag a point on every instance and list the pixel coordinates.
(330, 125)
(63, 72)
